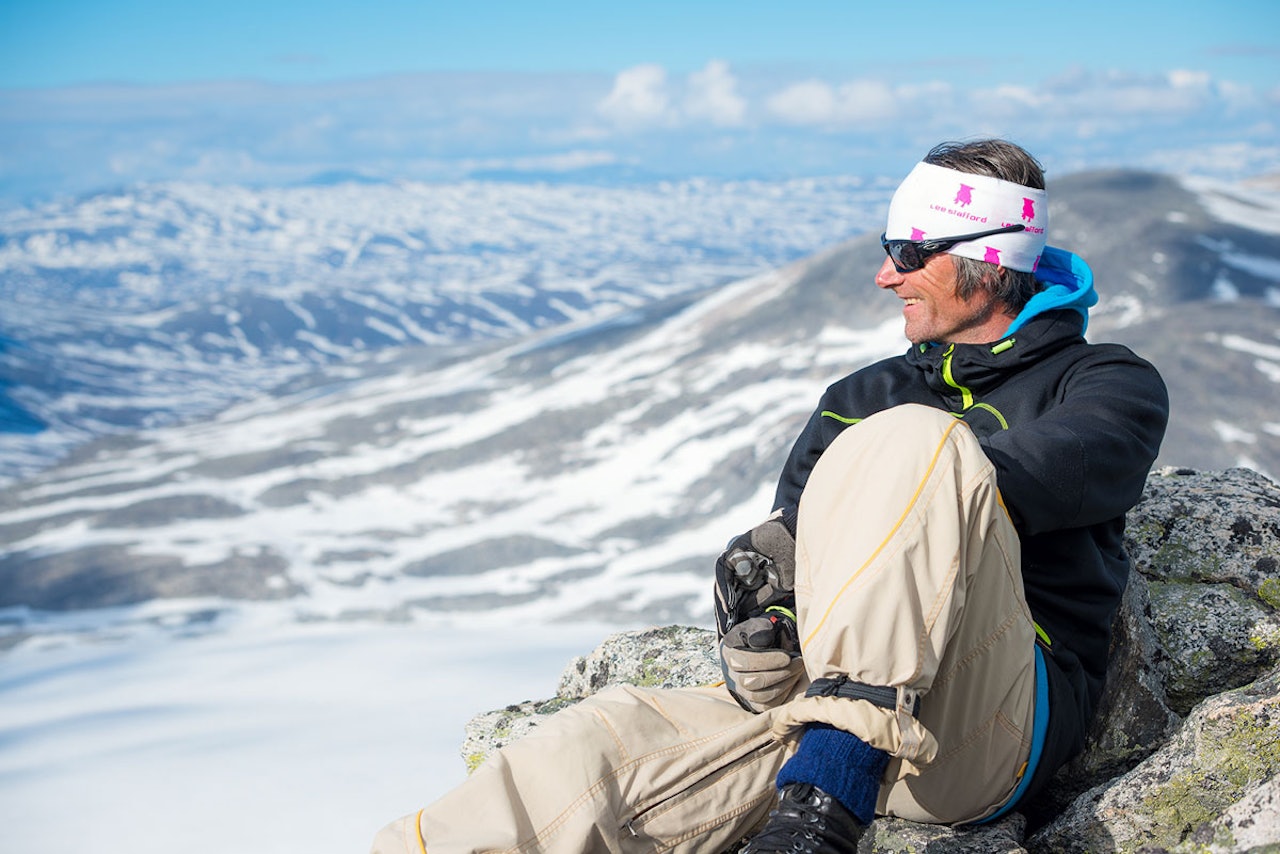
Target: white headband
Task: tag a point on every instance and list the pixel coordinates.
(937, 202)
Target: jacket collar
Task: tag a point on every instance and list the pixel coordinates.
(970, 370)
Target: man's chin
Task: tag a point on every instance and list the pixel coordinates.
(915, 335)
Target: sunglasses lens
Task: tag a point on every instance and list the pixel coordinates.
(904, 254)
(909, 257)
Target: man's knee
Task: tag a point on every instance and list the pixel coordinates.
(892, 453)
(908, 426)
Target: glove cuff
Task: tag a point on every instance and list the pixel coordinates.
(789, 518)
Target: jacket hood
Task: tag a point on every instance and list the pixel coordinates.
(1068, 283)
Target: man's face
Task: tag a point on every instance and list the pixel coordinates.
(932, 310)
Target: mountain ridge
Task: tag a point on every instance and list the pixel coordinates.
(593, 470)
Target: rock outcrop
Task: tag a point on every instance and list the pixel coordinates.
(1185, 753)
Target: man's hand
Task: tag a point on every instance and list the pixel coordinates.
(757, 570)
(760, 659)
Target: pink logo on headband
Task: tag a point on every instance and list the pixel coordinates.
(965, 195)
(916, 234)
(1028, 209)
(992, 256)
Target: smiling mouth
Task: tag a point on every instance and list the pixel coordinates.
(912, 301)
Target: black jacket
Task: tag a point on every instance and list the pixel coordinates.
(1072, 429)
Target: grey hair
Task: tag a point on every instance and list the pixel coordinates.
(996, 158)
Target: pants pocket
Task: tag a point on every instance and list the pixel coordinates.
(718, 805)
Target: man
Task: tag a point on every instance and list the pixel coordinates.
(921, 627)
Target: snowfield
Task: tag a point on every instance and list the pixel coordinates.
(269, 739)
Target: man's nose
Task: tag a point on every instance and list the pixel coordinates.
(888, 275)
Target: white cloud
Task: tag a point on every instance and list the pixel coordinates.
(713, 95)
(865, 101)
(639, 96)
(815, 102)
(642, 97)
(1019, 95)
(1176, 93)
(1183, 79)
(809, 102)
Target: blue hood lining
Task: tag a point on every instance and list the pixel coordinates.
(1068, 283)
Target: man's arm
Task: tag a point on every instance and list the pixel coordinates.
(1087, 459)
(809, 445)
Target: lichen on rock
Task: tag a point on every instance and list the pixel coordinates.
(1216, 637)
(1227, 747)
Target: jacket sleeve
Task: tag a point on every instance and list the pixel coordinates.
(1085, 460)
(808, 446)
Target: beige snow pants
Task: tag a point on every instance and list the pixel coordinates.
(907, 576)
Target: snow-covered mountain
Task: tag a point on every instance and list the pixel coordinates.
(593, 471)
(160, 304)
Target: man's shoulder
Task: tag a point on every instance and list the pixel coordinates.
(1111, 353)
(1059, 337)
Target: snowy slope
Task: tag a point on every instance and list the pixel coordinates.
(573, 475)
(156, 305)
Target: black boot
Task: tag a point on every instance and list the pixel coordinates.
(807, 821)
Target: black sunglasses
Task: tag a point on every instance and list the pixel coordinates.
(909, 255)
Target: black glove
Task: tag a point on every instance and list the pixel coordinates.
(760, 659)
(757, 570)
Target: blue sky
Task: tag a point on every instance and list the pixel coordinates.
(66, 42)
(95, 94)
